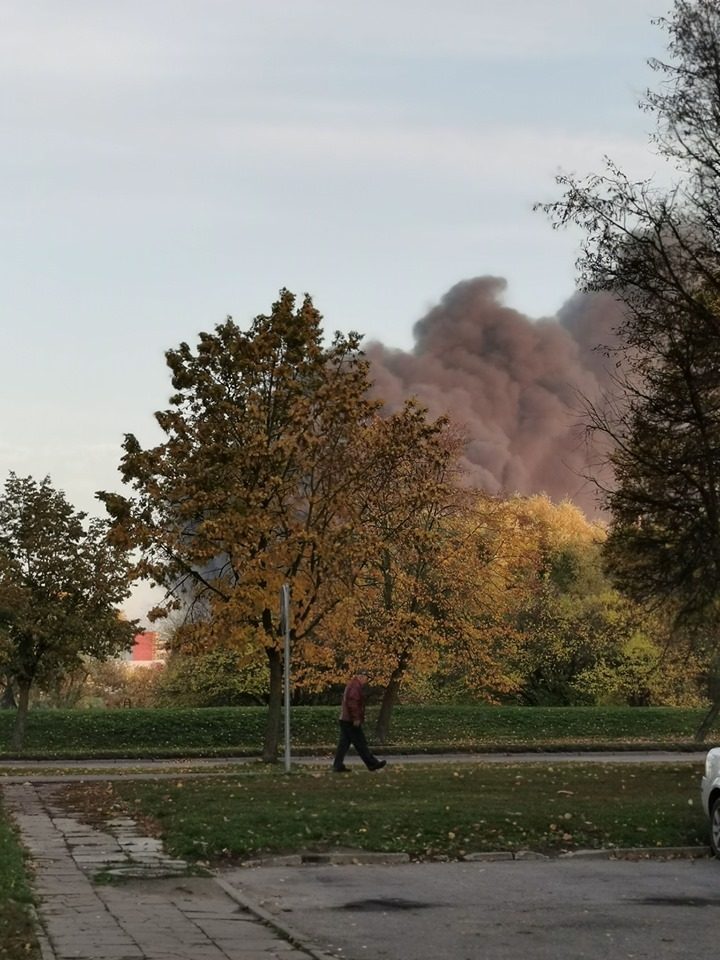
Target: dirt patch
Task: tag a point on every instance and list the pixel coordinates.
(96, 803)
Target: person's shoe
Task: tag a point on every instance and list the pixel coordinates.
(379, 765)
(342, 769)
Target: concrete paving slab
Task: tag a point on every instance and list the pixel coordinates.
(181, 918)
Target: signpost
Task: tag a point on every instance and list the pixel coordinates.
(285, 624)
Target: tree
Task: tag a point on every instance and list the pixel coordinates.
(573, 623)
(647, 668)
(261, 480)
(60, 585)
(488, 568)
(218, 677)
(540, 590)
(658, 252)
(406, 604)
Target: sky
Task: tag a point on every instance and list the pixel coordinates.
(165, 164)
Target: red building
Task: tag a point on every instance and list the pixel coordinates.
(145, 648)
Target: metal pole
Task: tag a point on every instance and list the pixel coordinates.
(285, 608)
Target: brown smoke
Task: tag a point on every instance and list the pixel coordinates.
(515, 385)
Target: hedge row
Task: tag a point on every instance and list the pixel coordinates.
(239, 730)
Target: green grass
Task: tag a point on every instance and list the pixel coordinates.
(17, 936)
(427, 811)
(239, 731)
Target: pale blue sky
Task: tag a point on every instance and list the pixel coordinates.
(165, 163)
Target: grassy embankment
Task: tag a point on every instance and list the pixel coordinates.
(427, 811)
(239, 731)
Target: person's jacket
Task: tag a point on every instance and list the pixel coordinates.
(353, 702)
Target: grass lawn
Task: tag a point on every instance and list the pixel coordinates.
(428, 811)
(17, 937)
(239, 731)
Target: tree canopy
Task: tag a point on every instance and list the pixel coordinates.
(270, 472)
(658, 251)
(61, 583)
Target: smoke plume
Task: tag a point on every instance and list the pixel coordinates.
(514, 385)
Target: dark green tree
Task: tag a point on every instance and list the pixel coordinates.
(60, 585)
(658, 251)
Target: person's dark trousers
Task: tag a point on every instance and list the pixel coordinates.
(350, 734)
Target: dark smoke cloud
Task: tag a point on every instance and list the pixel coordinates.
(513, 384)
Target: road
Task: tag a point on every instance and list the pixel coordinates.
(519, 910)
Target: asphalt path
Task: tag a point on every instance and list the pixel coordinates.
(519, 910)
(620, 756)
(89, 771)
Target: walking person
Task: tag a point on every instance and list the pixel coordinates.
(352, 717)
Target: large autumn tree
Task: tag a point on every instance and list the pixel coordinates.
(407, 603)
(658, 251)
(510, 569)
(61, 582)
(262, 478)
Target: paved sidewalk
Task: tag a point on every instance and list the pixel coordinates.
(157, 912)
(89, 771)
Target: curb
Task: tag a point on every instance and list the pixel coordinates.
(365, 857)
(359, 857)
(336, 858)
(620, 853)
(46, 948)
(641, 853)
(271, 921)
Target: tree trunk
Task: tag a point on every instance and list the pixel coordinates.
(713, 686)
(272, 730)
(390, 697)
(7, 700)
(18, 735)
(707, 721)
